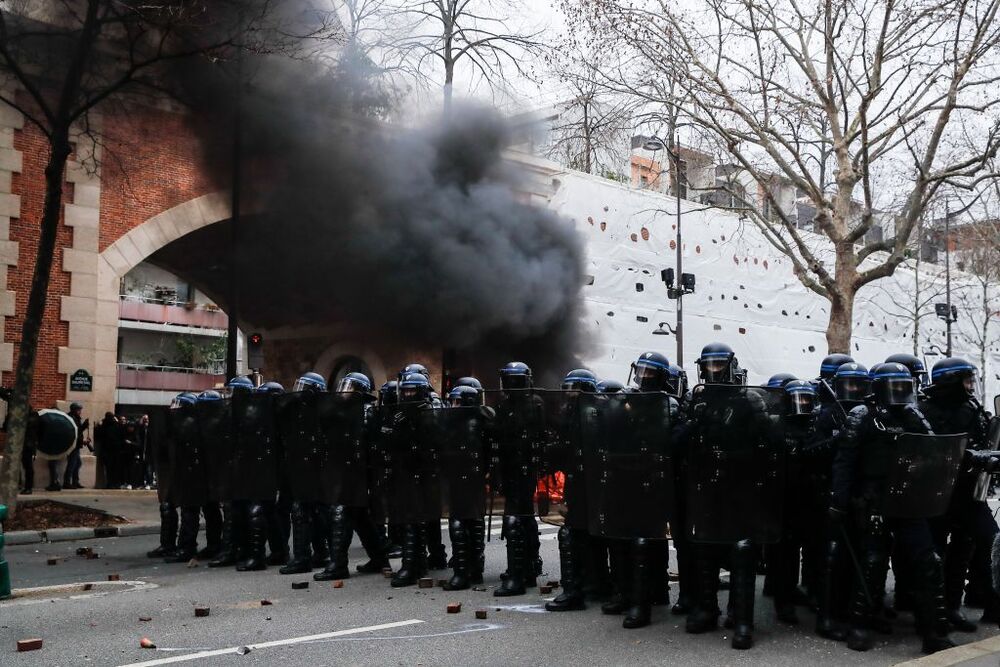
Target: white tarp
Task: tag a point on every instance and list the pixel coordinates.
(746, 293)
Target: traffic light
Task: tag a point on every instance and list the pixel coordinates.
(255, 351)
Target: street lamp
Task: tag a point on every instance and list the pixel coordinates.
(946, 311)
(654, 144)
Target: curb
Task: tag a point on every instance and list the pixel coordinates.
(70, 534)
(957, 655)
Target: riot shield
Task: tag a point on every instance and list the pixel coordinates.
(922, 473)
(465, 453)
(215, 431)
(344, 474)
(302, 444)
(529, 447)
(189, 485)
(407, 460)
(629, 468)
(56, 435)
(255, 447)
(736, 453)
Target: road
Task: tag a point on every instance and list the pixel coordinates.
(364, 623)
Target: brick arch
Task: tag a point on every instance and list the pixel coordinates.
(354, 348)
(119, 258)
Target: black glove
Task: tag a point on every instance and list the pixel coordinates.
(981, 461)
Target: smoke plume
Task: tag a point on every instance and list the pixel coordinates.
(416, 232)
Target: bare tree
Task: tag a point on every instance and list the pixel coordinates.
(447, 33)
(978, 253)
(913, 301)
(63, 61)
(592, 128)
(860, 105)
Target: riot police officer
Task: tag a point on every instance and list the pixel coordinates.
(574, 540)
(825, 558)
(711, 417)
(951, 407)
(913, 363)
(783, 557)
(190, 485)
(520, 422)
(309, 536)
(351, 513)
(469, 429)
(168, 509)
(860, 476)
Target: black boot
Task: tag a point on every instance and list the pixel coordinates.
(277, 539)
(956, 567)
(619, 558)
(301, 541)
(830, 593)
(168, 532)
(519, 569)
(395, 547)
(341, 532)
(414, 563)
(479, 551)
(931, 616)
(437, 557)
(705, 616)
(742, 589)
(640, 608)
(532, 548)
(659, 563)
(320, 535)
(256, 540)
(571, 571)
(597, 580)
(213, 531)
(462, 555)
(372, 541)
(685, 571)
(228, 553)
(187, 537)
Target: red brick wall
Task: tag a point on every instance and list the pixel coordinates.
(49, 385)
(151, 163)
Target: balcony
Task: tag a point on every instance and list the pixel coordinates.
(140, 309)
(167, 378)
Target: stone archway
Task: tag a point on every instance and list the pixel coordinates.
(327, 361)
(112, 264)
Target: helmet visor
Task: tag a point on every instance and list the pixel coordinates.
(803, 403)
(178, 403)
(514, 381)
(897, 391)
(715, 369)
(412, 392)
(851, 389)
(648, 377)
(352, 385)
(304, 384)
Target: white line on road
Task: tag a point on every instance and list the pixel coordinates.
(279, 642)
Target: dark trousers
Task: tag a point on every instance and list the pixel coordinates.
(28, 466)
(73, 465)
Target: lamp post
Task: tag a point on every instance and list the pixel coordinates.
(946, 311)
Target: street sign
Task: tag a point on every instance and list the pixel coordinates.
(81, 380)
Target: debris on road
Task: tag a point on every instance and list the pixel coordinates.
(243, 650)
(481, 614)
(425, 582)
(114, 577)
(53, 561)
(28, 645)
(338, 584)
(201, 612)
(145, 619)
(386, 572)
(454, 607)
(544, 590)
(146, 642)
(299, 585)
(83, 551)
(266, 603)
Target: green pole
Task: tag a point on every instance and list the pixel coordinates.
(4, 568)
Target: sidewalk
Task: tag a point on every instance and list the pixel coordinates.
(140, 508)
(985, 653)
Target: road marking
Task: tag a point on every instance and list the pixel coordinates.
(466, 629)
(102, 588)
(279, 642)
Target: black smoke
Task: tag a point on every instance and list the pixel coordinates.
(414, 233)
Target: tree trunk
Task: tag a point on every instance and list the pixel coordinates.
(841, 324)
(30, 330)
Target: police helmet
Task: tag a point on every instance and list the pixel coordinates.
(311, 382)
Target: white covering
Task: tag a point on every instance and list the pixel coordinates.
(746, 293)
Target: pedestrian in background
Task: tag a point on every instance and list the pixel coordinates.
(71, 478)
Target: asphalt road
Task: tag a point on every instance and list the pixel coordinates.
(364, 623)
